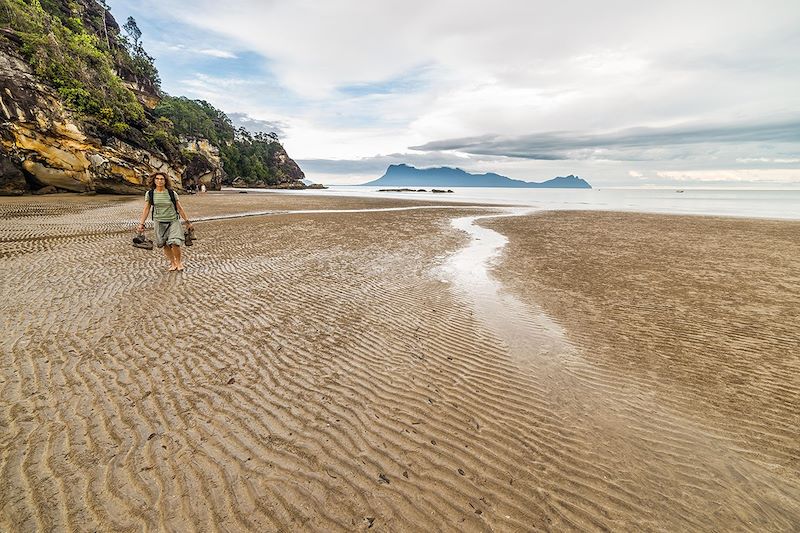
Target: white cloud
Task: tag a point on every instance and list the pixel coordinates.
(255, 125)
(213, 52)
(753, 160)
(317, 46)
(779, 160)
(224, 54)
(360, 78)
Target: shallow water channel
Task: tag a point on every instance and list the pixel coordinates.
(529, 333)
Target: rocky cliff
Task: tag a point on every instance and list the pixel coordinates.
(282, 170)
(204, 166)
(42, 144)
(82, 136)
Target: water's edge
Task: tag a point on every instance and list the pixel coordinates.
(528, 332)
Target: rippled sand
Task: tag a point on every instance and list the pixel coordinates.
(688, 336)
(321, 372)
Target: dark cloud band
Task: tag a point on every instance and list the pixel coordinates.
(627, 144)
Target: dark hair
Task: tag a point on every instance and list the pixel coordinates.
(151, 180)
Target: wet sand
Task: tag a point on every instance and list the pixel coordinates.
(332, 371)
(687, 341)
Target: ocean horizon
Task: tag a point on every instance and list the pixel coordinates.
(747, 203)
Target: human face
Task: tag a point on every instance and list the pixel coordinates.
(160, 181)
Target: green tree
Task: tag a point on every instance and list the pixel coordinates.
(133, 31)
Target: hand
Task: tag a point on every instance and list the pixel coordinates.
(140, 227)
(189, 224)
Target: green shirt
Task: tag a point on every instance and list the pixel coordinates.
(163, 210)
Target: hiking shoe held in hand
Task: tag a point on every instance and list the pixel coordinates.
(188, 237)
(140, 241)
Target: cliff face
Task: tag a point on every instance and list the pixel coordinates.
(285, 166)
(205, 165)
(282, 171)
(81, 111)
(42, 144)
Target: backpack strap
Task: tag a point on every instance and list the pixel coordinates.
(174, 201)
(153, 203)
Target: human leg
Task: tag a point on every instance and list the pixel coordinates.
(174, 241)
(161, 230)
(176, 254)
(168, 252)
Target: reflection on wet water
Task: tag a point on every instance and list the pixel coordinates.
(526, 330)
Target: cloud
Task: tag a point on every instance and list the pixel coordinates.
(224, 54)
(243, 120)
(640, 143)
(379, 163)
(319, 46)
(213, 52)
(556, 87)
(779, 160)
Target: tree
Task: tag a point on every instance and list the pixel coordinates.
(133, 31)
(141, 63)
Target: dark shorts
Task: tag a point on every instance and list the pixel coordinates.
(168, 233)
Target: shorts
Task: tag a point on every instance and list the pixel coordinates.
(168, 233)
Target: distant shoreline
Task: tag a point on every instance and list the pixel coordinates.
(760, 204)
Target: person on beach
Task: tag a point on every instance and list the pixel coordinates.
(166, 207)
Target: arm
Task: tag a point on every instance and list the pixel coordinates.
(145, 212)
(183, 214)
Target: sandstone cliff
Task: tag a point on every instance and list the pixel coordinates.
(282, 170)
(81, 111)
(204, 164)
(43, 144)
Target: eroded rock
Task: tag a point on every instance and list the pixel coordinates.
(43, 144)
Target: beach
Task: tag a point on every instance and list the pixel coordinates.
(336, 371)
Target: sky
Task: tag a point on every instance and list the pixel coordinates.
(696, 94)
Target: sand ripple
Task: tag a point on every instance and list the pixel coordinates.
(313, 372)
(687, 340)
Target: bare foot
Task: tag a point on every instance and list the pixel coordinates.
(173, 268)
(179, 268)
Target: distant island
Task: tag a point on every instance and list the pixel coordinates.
(407, 176)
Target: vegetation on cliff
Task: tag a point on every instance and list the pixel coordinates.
(61, 41)
(103, 74)
(254, 158)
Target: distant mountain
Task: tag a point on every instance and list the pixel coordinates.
(408, 176)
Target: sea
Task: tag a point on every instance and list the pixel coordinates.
(748, 203)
